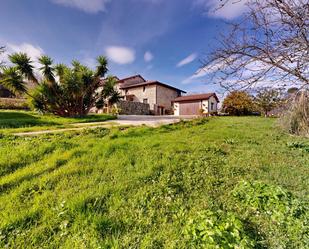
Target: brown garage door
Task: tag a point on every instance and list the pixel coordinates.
(189, 108)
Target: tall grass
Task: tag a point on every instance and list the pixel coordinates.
(296, 120)
(228, 182)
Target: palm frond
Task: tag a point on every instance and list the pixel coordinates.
(77, 66)
(60, 70)
(23, 64)
(108, 88)
(47, 69)
(12, 80)
(101, 69)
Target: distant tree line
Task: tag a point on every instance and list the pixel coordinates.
(262, 102)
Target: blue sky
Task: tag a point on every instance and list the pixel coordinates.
(162, 40)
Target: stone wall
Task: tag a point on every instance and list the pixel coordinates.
(133, 108)
(13, 103)
(165, 97)
(144, 92)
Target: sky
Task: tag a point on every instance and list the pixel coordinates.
(164, 40)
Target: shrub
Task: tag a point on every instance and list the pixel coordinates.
(238, 103)
(217, 230)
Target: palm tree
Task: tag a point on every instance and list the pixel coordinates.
(63, 90)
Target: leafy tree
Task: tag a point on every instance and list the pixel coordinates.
(109, 95)
(238, 103)
(267, 99)
(63, 90)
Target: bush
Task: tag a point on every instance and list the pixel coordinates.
(238, 103)
(217, 230)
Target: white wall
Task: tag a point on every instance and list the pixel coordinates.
(215, 106)
(176, 108)
(205, 106)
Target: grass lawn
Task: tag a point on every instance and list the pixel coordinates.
(231, 182)
(22, 121)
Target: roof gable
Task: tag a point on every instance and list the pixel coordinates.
(127, 86)
(204, 96)
(132, 79)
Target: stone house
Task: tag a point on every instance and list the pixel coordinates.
(158, 95)
(142, 96)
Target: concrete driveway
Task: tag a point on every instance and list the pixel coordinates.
(130, 120)
(148, 120)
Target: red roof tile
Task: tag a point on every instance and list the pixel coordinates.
(131, 85)
(131, 77)
(203, 96)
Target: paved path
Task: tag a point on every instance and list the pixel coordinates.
(123, 120)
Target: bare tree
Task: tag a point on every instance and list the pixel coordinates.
(269, 43)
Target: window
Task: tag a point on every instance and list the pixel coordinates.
(144, 88)
(145, 101)
(212, 106)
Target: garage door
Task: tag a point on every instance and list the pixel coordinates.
(189, 108)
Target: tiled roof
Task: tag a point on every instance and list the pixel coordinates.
(203, 96)
(131, 85)
(131, 77)
(102, 80)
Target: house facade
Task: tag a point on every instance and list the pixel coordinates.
(197, 104)
(158, 95)
(138, 94)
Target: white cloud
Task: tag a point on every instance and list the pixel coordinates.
(148, 56)
(32, 51)
(227, 9)
(89, 6)
(187, 60)
(202, 72)
(198, 74)
(120, 55)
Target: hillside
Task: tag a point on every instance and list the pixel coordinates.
(224, 181)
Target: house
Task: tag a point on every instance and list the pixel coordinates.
(197, 104)
(141, 96)
(158, 95)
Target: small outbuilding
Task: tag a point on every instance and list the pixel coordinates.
(197, 104)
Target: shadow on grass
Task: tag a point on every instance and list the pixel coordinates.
(20, 119)
(4, 188)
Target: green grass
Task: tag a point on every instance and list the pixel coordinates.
(221, 181)
(22, 121)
